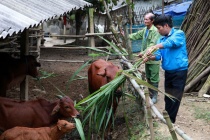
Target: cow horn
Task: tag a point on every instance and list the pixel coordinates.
(59, 96)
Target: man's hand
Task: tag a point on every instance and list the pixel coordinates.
(140, 55)
(145, 59)
(151, 50)
(122, 32)
(151, 57)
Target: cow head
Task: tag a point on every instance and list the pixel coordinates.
(65, 126)
(65, 107)
(109, 72)
(32, 65)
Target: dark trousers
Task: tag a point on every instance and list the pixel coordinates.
(174, 85)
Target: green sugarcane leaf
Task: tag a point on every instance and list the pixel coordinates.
(142, 82)
(101, 119)
(114, 46)
(130, 96)
(103, 110)
(87, 116)
(57, 88)
(109, 116)
(77, 71)
(97, 50)
(79, 128)
(89, 97)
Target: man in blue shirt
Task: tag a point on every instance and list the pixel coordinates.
(171, 49)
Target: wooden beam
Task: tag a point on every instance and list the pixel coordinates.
(71, 47)
(24, 49)
(66, 61)
(100, 34)
(67, 36)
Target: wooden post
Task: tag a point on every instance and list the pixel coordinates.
(64, 27)
(91, 27)
(169, 124)
(149, 114)
(24, 49)
(39, 38)
(162, 6)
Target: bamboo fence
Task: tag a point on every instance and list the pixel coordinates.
(196, 25)
(134, 83)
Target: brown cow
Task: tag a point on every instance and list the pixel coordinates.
(100, 73)
(34, 113)
(42, 133)
(13, 71)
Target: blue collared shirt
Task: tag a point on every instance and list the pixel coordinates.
(174, 53)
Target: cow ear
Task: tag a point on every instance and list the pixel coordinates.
(55, 109)
(101, 72)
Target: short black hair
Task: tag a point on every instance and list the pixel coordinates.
(163, 20)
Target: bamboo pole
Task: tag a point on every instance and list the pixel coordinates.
(66, 36)
(8, 43)
(204, 88)
(192, 83)
(154, 109)
(66, 61)
(170, 126)
(99, 34)
(149, 114)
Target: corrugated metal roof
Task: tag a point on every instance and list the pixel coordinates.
(16, 15)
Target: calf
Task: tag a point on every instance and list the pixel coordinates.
(34, 113)
(100, 73)
(13, 71)
(41, 133)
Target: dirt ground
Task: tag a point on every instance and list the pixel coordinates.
(197, 129)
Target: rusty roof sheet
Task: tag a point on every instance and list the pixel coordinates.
(16, 15)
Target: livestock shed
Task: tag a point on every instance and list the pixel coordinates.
(20, 25)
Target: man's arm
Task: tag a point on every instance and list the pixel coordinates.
(137, 35)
